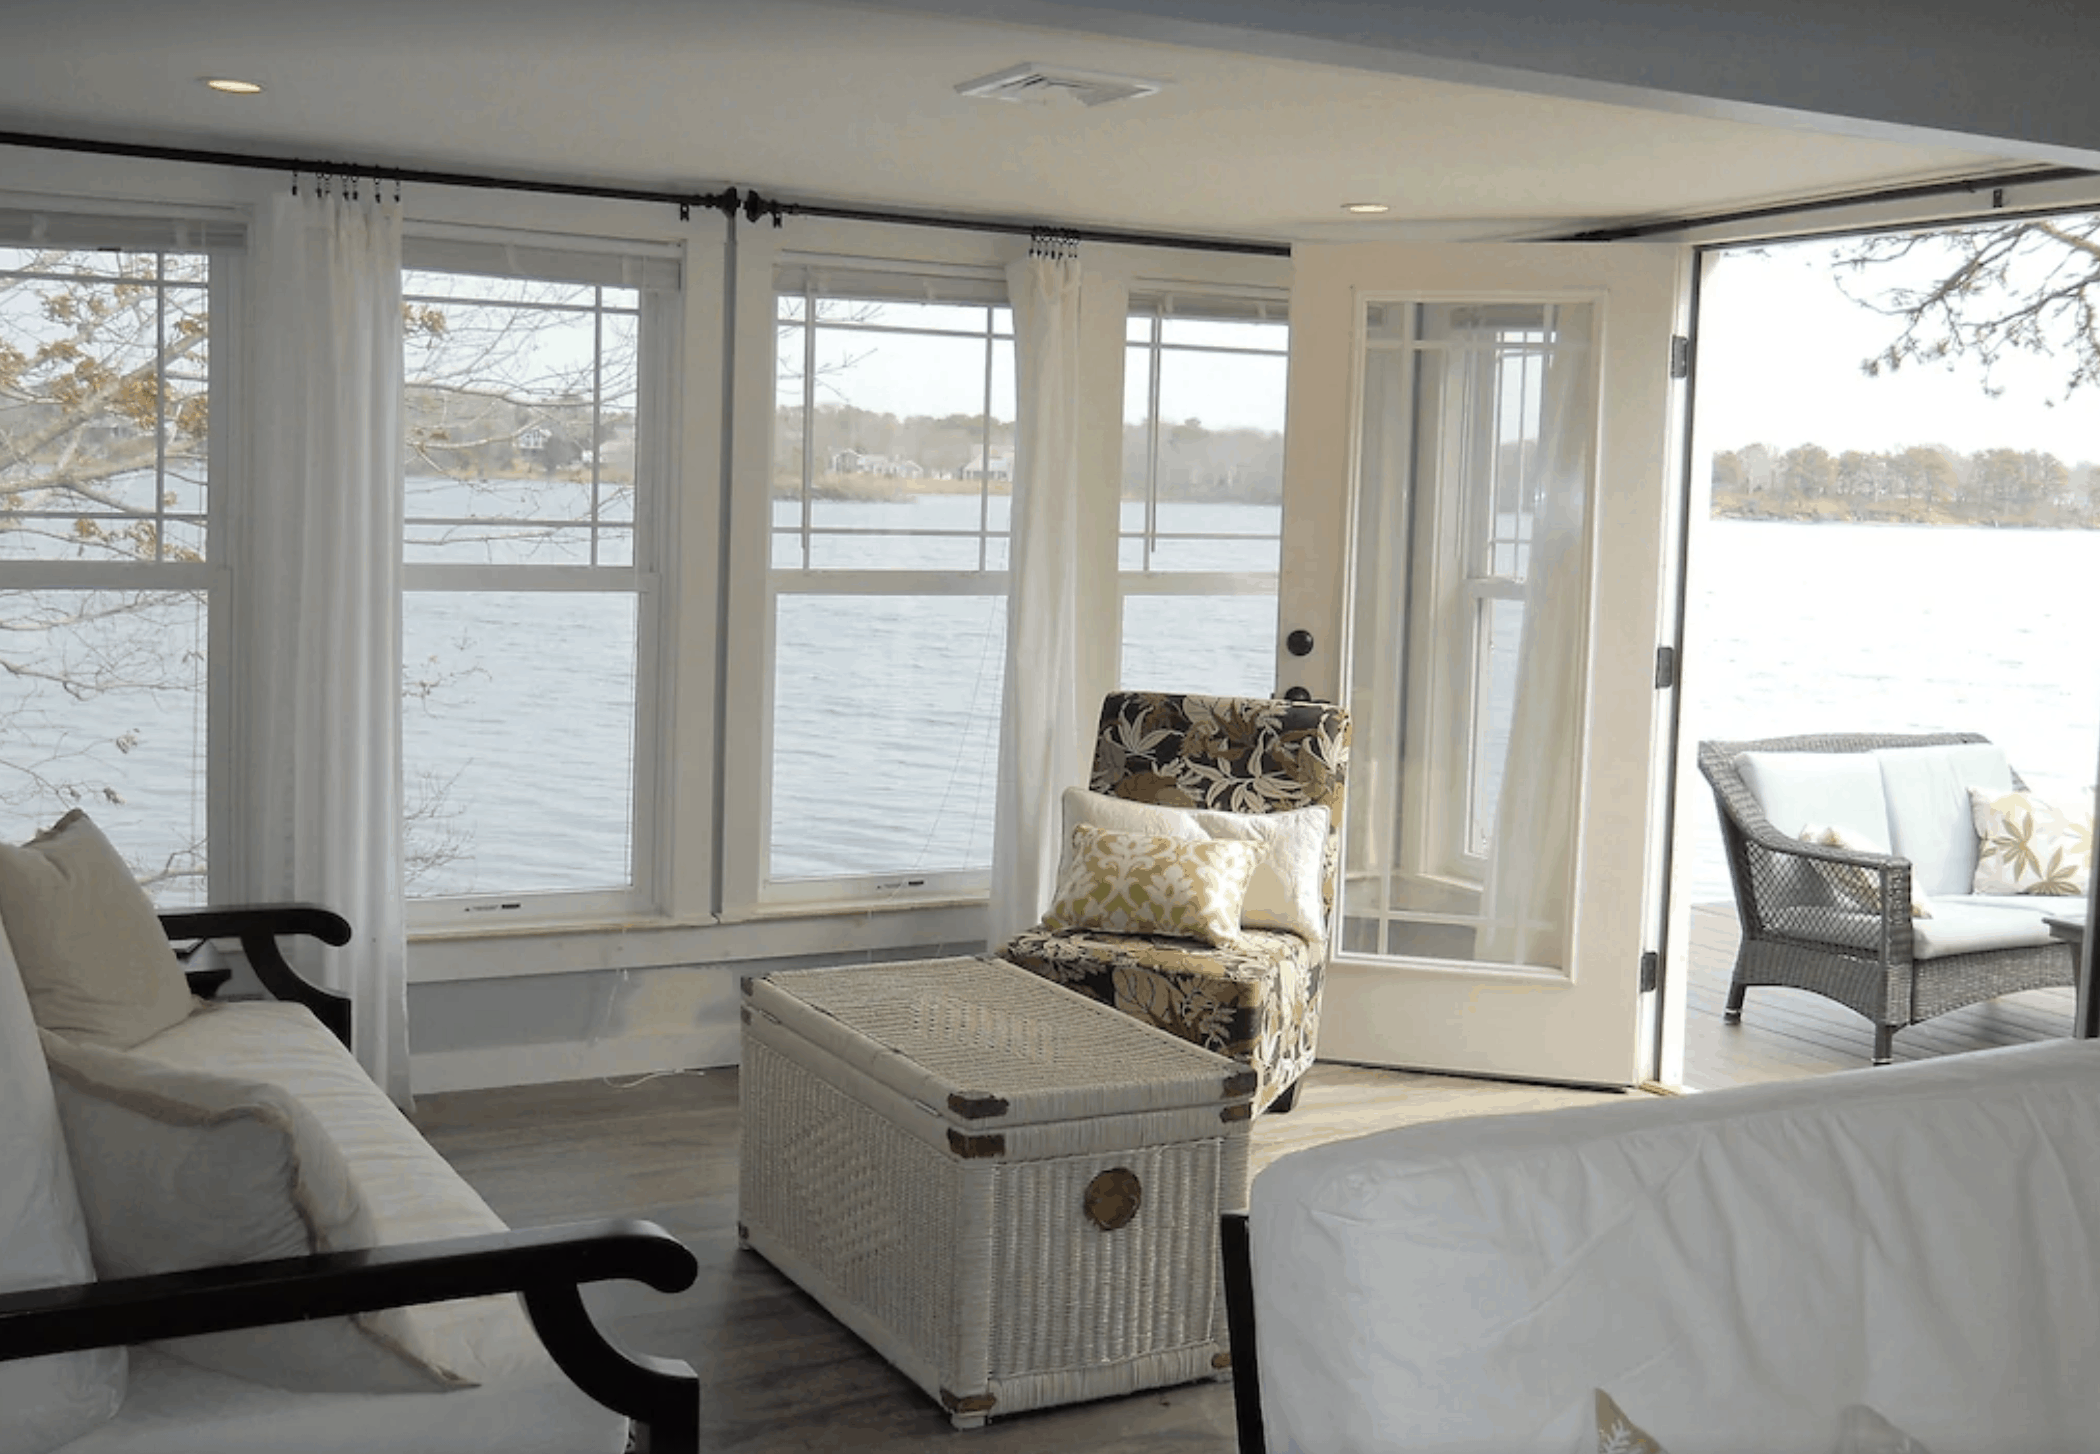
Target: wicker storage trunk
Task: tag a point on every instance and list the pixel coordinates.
(1009, 1190)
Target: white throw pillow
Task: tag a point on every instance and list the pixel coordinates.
(181, 1169)
(1285, 892)
(50, 1401)
(2029, 846)
(93, 955)
(1148, 883)
(1861, 885)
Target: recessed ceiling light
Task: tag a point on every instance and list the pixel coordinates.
(232, 87)
(1366, 209)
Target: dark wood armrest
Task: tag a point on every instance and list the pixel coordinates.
(546, 1266)
(1239, 1323)
(257, 927)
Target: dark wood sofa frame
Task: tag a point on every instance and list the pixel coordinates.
(545, 1266)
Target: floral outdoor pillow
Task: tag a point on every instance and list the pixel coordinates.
(2028, 846)
(1143, 883)
(1860, 885)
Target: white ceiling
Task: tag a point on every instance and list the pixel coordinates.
(855, 104)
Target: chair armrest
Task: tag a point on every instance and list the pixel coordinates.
(257, 927)
(544, 1265)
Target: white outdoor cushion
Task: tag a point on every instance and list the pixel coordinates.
(177, 1408)
(1285, 890)
(1975, 922)
(183, 1168)
(44, 1402)
(409, 1190)
(1927, 789)
(1797, 789)
(93, 956)
(1734, 1267)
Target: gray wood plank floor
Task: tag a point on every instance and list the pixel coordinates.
(780, 1375)
(1785, 1034)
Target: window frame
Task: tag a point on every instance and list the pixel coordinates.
(656, 273)
(219, 240)
(1157, 306)
(755, 889)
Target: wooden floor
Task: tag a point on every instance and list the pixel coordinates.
(778, 1374)
(1786, 1034)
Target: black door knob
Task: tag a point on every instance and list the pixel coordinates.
(1297, 694)
(1299, 642)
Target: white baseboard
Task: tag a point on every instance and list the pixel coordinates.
(487, 1067)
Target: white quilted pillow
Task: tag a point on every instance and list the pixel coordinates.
(1285, 890)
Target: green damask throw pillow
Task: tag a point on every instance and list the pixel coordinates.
(1142, 883)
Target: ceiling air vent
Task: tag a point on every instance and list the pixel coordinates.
(1050, 86)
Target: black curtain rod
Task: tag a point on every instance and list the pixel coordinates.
(757, 207)
(1970, 186)
(725, 201)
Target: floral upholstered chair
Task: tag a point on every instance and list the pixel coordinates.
(1206, 770)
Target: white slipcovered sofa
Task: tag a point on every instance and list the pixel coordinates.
(221, 1237)
(1854, 859)
(1736, 1270)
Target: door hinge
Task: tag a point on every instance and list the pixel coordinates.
(1680, 356)
(1651, 972)
(1665, 668)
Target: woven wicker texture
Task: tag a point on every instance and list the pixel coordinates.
(982, 1028)
(967, 1246)
(1836, 921)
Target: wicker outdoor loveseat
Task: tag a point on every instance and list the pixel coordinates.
(1838, 921)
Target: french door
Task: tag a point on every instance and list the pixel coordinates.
(1482, 496)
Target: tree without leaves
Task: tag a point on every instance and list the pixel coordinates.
(1991, 290)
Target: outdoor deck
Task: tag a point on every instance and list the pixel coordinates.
(1786, 1034)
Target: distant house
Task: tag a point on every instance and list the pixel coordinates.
(853, 462)
(533, 438)
(1000, 466)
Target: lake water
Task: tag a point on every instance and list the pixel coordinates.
(1793, 628)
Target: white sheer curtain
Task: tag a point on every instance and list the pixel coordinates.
(1041, 721)
(317, 584)
(1525, 899)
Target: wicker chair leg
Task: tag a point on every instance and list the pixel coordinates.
(1732, 1012)
(1884, 1041)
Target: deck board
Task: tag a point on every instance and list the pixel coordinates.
(1786, 1034)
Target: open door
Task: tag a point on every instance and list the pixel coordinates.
(1480, 531)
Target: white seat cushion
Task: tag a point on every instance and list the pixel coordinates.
(43, 1242)
(1930, 823)
(178, 1408)
(407, 1188)
(1970, 923)
(1840, 789)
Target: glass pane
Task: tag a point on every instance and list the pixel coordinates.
(104, 373)
(885, 746)
(520, 416)
(1223, 645)
(1472, 517)
(517, 740)
(102, 707)
(1214, 333)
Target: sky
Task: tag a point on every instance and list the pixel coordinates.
(1779, 363)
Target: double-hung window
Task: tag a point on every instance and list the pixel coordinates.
(106, 411)
(892, 466)
(530, 569)
(1202, 509)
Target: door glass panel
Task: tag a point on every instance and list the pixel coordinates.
(1476, 446)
